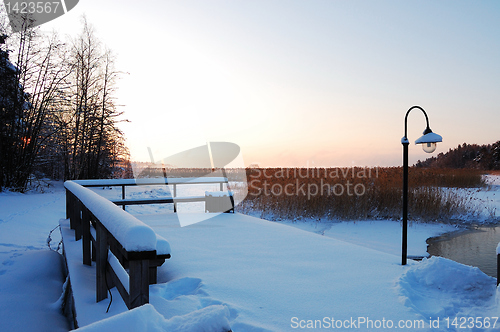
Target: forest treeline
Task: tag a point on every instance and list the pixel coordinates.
(483, 157)
(58, 113)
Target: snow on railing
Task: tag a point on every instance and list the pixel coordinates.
(117, 242)
(133, 234)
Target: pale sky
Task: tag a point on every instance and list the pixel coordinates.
(301, 83)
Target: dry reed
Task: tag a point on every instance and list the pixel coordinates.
(358, 193)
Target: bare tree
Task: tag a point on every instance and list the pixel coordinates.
(94, 111)
(57, 108)
(40, 74)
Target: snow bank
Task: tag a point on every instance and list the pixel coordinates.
(146, 319)
(132, 233)
(31, 285)
(439, 287)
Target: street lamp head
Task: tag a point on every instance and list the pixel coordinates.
(429, 140)
(429, 147)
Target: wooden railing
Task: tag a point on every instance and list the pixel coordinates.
(174, 182)
(116, 241)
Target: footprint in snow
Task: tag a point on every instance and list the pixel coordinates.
(8, 262)
(181, 287)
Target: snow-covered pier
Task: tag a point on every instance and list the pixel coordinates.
(232, 271)
(126, 251)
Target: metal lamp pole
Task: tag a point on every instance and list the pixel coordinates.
(404, 249)
(428, 141)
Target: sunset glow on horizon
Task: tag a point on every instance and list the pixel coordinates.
(301, 83)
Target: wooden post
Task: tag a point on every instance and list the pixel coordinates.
(93, 255)
(175, 195)
(86, 237)
(93, 243)
(139, 283)
(231, 198)
(123, 196)
(153, 274)
(68, 203)
(70, 208)
(101, 262)
(78, 219)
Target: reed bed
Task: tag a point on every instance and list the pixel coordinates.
(350, 193)
(359, 193)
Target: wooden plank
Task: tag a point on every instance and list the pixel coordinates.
(141, 255)
(153, 275)
(70, 208)
(139, 283)
(123, 195)
(114, 281)
(101, 262)
(151, 181)
(232, 204)
(93, 238)
(175, 194)
(153, 268)
(86, 237)
(144, 201)
(78, 219)
(68, 203)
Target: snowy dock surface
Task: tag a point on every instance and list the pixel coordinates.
(243, 272)
(268, 273)
(265, 273)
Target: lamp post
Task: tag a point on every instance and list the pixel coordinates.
(428, 141)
